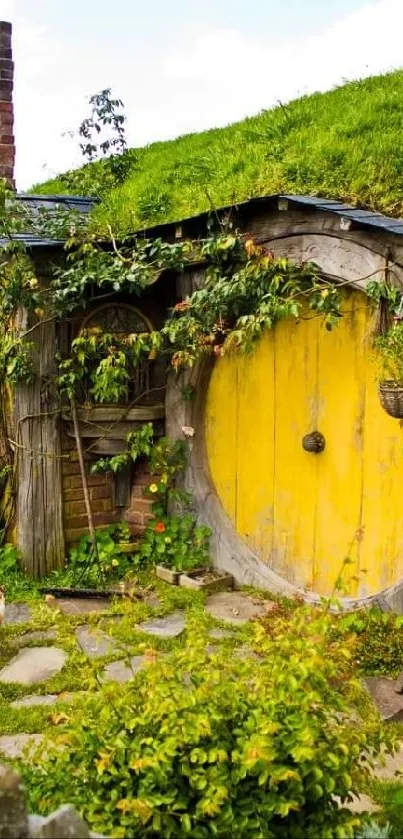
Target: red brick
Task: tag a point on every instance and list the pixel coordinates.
(77, 521)
(6, 73)
(70, 468)
(147, 517)
(143, 480)
(73, 536)
(142, 505)
(74, 508)
(102, 491)
(6, 90)
(6, 28)
(6, 139)
(105, 518)
(72, 494)
(134, 518)
(92, 481)
(6, 171)
(137, 492)
(6, 124)
(137, 530)
(7, 155)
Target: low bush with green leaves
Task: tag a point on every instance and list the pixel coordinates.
(205, 744)
(18, 585)
(378, 640)
(176, 542)
(84, 566)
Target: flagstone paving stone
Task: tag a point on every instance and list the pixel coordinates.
(82, 605)
(237, 607)
(168, 627)
(383, 693)
(38, 635)
(17, 613)
(119, 671)
(361, 804)
(35, 699)
(73, 696)
(94, 642)
(391, 767)
(33, 664)
(246, 652)
(220, 633)
(14, 745)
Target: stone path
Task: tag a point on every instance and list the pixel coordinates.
(82, 605)
(237, 607)
(361, 804)
(14, 745)
(38, 635)
(169, 627)
(220, 633)
(391, 767)
(34, 699)
(17, 613)
(36, 664)
(120, 671)
(94, 642)
(385, 697)
(33, 664)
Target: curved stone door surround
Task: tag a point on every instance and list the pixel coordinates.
(230, 549)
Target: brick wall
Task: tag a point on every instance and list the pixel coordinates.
(102, 496)
(138, 513)
(7, 148)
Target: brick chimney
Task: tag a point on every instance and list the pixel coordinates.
(7, 147)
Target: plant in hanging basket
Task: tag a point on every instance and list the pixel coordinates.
(389, 349)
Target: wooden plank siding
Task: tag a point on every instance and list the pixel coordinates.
(300, 512)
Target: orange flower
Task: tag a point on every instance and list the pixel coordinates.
(182, 306)
(160, 527)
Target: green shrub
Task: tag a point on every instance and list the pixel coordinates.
(18, 584)
(205, 744)
(176, 542)
(374, 831)
(85, 567)
(9, 560)
(378, 648)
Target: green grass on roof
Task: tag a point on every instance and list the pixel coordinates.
(345, 144)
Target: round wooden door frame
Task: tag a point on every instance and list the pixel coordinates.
(229, 552)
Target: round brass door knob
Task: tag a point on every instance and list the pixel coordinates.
(314, 442)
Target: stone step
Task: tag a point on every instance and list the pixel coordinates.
(33, 664)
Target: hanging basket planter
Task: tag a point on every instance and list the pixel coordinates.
(391, 398)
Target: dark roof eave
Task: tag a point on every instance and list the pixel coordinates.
(361, 218)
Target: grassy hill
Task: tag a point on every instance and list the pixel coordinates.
(346, 144)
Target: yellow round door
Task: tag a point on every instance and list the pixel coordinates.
(304, 513)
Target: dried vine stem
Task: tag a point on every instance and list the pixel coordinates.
(84, 481)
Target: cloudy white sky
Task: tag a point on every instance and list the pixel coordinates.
(181, 66)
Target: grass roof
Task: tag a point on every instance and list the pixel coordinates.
(346, 144)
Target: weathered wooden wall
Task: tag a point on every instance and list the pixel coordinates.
(38, 460)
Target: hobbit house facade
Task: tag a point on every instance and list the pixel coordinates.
(293, 463)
